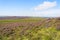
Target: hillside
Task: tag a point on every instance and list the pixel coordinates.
(21, 26)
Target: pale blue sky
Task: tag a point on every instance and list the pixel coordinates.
(30, 8)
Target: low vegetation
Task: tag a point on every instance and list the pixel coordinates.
(30, 29)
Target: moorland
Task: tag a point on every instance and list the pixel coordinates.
(29, 28)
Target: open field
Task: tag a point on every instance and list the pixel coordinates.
(29, 28)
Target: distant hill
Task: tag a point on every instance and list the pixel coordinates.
(12, 17)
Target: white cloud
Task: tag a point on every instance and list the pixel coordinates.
(41, 10)
(45, 5)
(48, 13)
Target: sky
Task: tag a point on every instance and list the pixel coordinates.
(36, 8)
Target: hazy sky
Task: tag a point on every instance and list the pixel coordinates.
(42, 8)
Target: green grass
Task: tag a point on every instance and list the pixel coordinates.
(22, 20)
(35, 34)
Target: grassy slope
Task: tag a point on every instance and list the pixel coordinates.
(29, 29)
